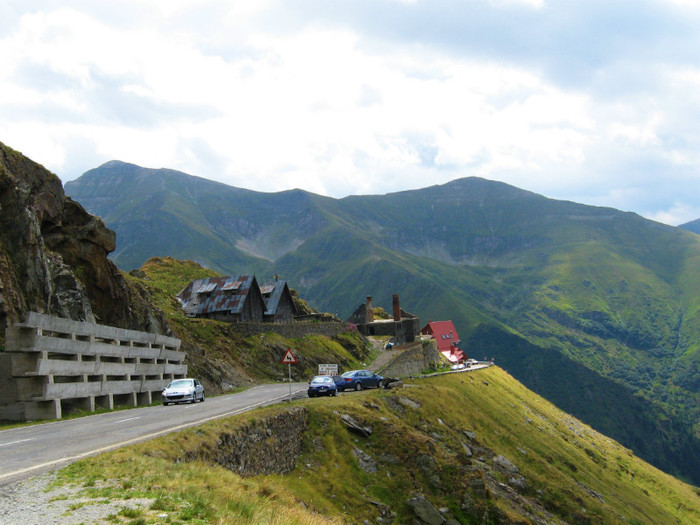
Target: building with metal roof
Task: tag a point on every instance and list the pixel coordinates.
(279, 303)
(232, 298)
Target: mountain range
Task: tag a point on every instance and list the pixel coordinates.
(597, 309)
(692, 226)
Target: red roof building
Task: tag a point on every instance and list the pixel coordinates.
(447, 339)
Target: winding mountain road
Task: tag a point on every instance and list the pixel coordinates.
(31, 450)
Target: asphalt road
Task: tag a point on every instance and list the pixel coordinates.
(32, 450)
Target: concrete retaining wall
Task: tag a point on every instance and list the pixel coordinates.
(52, 366)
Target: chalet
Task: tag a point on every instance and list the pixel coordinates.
(234, 299)
(279, 304)
(403, 326)
(447, 339)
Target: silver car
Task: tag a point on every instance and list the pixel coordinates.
(183, 391)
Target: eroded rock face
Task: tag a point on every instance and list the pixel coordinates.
(270, 445)
(53, 255)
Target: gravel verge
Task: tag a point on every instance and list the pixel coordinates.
(32, 502)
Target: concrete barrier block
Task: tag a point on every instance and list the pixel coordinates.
(79, 365)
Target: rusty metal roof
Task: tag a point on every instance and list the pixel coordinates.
(267, 288)
(272, 293)
(216, 294)
(206, 288)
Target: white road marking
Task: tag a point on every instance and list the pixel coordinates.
(137, 439)
(128, 419)
(13, 442)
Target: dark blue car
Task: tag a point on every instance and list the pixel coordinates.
(359, 379)
(322, 386)
(339, 383)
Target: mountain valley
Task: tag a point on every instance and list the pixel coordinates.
(590, 308)
(603, 289)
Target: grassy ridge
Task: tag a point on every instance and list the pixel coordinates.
(418, 440)
(666, 441)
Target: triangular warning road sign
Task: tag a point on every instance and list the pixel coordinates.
(289, 357)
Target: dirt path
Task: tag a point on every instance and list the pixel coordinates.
(382, 359)
(385, 356)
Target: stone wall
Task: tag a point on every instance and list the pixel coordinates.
(403, 331)
(266, 446)
(414, 360)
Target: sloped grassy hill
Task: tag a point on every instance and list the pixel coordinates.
(692, 226)
(478, 447)
(611, 291)
(221, 356)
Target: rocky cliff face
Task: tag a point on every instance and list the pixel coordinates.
(53, 255)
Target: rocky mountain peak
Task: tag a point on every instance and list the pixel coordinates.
(53, 254)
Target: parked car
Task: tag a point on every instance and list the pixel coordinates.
(183, 391)
(458, 366)
(339, 383)
(389, 346)
(322, 386)
(472, 362)
(359, 379)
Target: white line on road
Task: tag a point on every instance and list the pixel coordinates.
(13, 442)
(128, 419)
(138, 439)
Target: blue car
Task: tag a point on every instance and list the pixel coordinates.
(359, 379)
(339, 383)
(322, 386)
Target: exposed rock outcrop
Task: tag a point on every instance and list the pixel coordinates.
(53, 255)
(270, 445)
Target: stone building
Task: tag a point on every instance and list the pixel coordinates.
(402, 327)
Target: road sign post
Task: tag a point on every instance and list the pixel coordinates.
(289, 359)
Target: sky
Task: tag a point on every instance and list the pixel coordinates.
(592, 101)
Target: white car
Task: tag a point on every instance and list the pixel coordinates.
(183, 391)
(472, 362)
(459, 366)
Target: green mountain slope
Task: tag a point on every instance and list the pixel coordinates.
(471, 448)
(613, 292)
(692, 226)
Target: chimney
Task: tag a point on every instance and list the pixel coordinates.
(397, 308)
(369, 313)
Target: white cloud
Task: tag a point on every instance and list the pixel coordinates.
(686, 3)
(679, 213)
(258, 95)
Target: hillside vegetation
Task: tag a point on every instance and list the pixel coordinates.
(617, 294)
(220, 355)
(474, 447)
